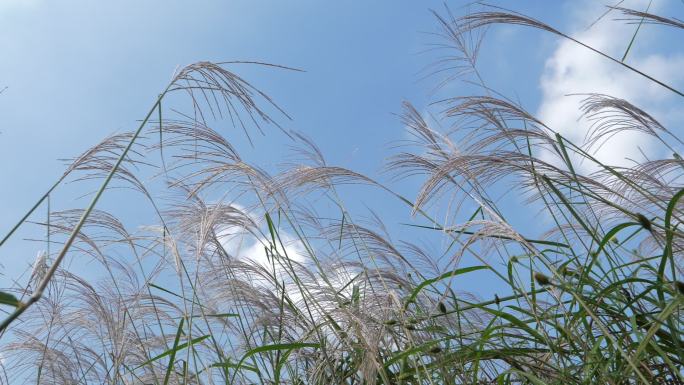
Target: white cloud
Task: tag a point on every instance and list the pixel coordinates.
(251, 248)
(573, 69)
(241, 244)
(245, 246)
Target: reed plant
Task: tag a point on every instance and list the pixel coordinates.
(243, 275)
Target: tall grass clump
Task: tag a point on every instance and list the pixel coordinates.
(244, 275)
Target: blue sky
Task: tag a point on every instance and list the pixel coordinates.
(78, 70)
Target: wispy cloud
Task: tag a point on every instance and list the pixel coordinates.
(573, 69)
(246, 246)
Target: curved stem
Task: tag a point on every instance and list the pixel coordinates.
(74, 233)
